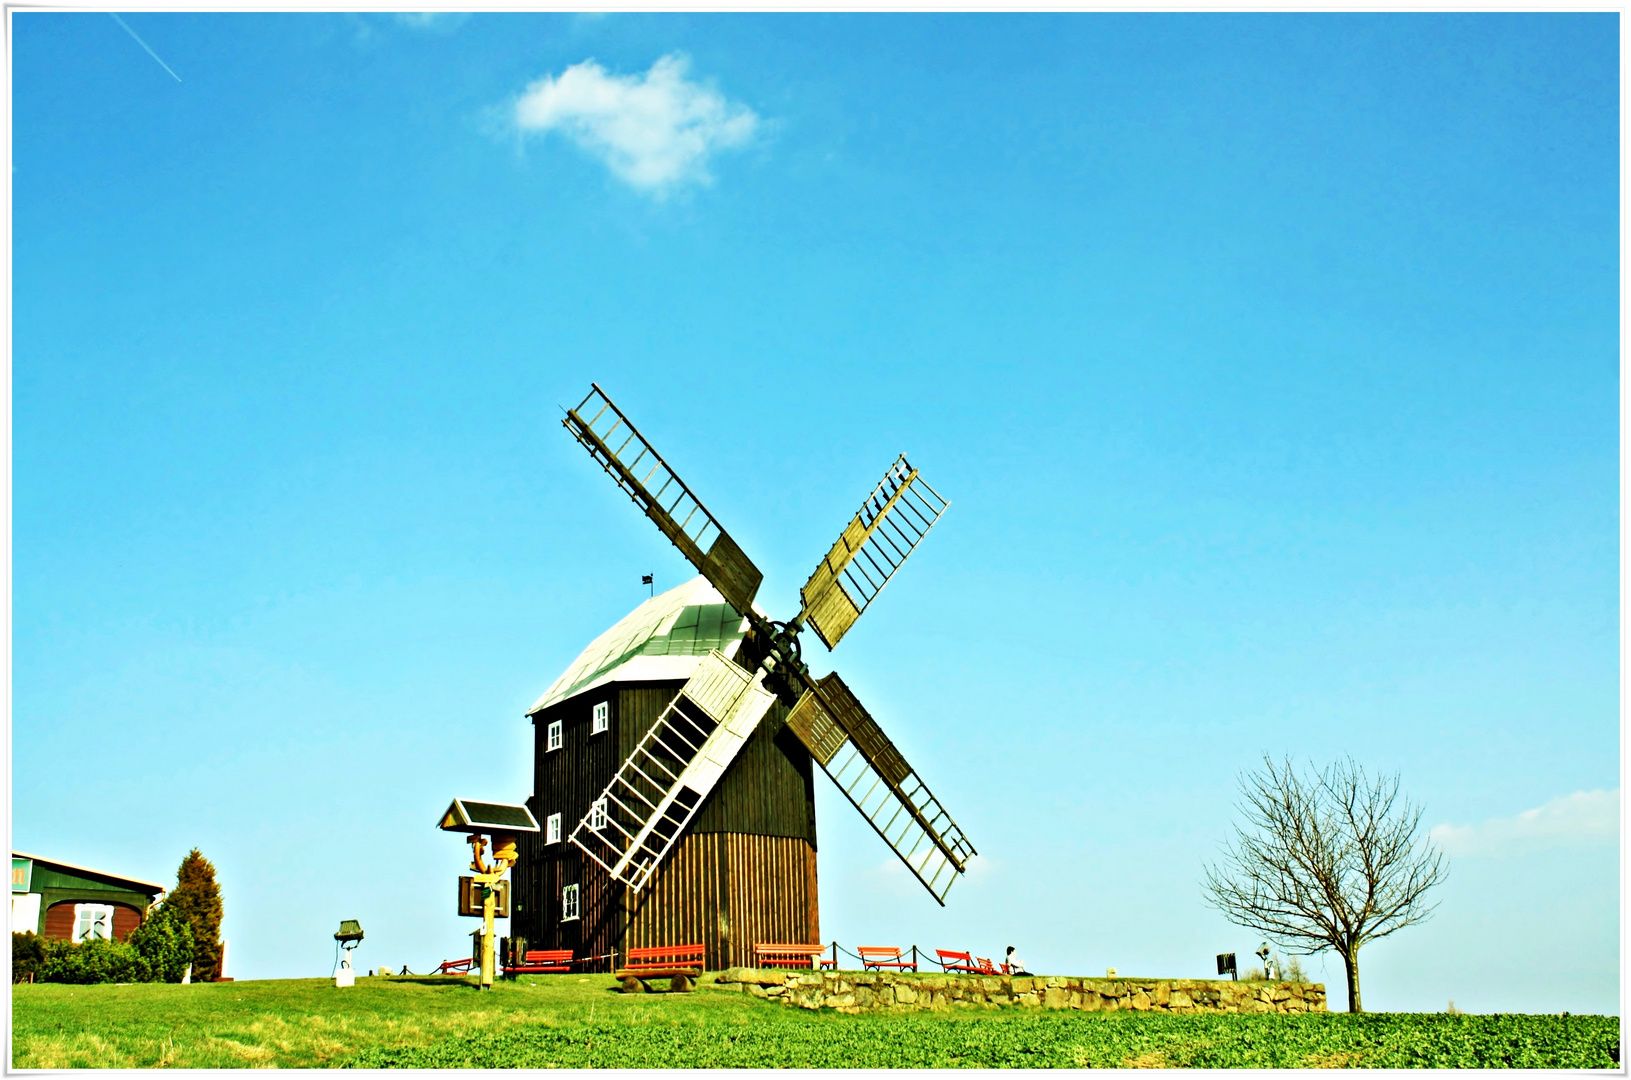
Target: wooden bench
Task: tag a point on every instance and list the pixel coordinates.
(680, 964)
(792, 956)
(988, 968)
(454, 967)
(541, 960)
(957, 961)
(874, 957)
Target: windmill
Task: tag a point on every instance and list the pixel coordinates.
(657, 791)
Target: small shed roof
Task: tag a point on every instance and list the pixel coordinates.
(139, 885)
(663, 639)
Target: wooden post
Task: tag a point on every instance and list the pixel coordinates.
(488, 900)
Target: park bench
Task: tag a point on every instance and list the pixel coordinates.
(680, 964)
(792, 956)
(541, 960)
(454, 967)
(956, 961)
(874, 957)
(988, 968)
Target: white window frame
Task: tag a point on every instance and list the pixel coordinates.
(603, 717)
(86, 925)
(552, 829)
(553, 738)
(569, 903)
(597, 814)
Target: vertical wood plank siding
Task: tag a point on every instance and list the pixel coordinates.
(743, 873)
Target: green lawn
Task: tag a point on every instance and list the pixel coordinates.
(578, 1021)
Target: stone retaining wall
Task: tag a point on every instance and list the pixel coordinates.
(855, 991)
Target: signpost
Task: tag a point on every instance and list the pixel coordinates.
(503, 821)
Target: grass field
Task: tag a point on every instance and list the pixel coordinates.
(576, 1021)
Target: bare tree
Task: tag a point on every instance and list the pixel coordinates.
(1329, 861)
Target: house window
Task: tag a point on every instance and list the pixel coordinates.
(554, 735)
(93, 920)
(603, 717)
(569, 903)
(597, 814)
(552, 829)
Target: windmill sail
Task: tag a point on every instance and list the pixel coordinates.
(872, 774)
(646, 478)
(679, 761)
(899, 513)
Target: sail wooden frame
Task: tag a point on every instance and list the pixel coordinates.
(653, 797)
(645, 477)
(892, 521)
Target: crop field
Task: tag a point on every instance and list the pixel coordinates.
(579, 1021)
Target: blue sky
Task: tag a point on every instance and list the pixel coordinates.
(1269, 363)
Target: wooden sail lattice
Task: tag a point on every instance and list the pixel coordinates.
(659, 788)
(855, 753)
(645, 477)
(894, 518)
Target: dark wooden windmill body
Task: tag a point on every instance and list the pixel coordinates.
(745, 869)
(679, 750)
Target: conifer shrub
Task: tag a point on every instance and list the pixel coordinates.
(197, 899)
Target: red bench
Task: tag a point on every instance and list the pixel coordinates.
(541, 960)
(454, 967)
(957, 961)
(874, 957)
(680, 964)
(988, 968)
(792, 956)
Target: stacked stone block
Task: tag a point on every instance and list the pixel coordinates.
(855, 992)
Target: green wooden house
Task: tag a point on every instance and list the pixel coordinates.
(61, 900)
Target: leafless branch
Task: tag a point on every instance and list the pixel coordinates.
(1328, 861)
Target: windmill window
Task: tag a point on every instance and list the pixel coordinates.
(603, 716)
(552, 829)
(93, 921)
(569, 903)
(597, 814)
(554, 735)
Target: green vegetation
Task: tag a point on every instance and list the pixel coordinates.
(577, 1021)
(156, 951)
(165, 941)
(197, 899)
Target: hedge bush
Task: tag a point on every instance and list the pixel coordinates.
(97, 960)
(165, 942)
(27, 956)
(158, 950)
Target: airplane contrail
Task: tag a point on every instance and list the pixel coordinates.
(144, 45)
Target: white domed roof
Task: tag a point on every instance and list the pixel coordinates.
(664, 638)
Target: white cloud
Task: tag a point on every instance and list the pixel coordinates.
(654, 131)
(440, 21)
(1584, 817)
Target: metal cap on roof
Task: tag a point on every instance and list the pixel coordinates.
(665, 638)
